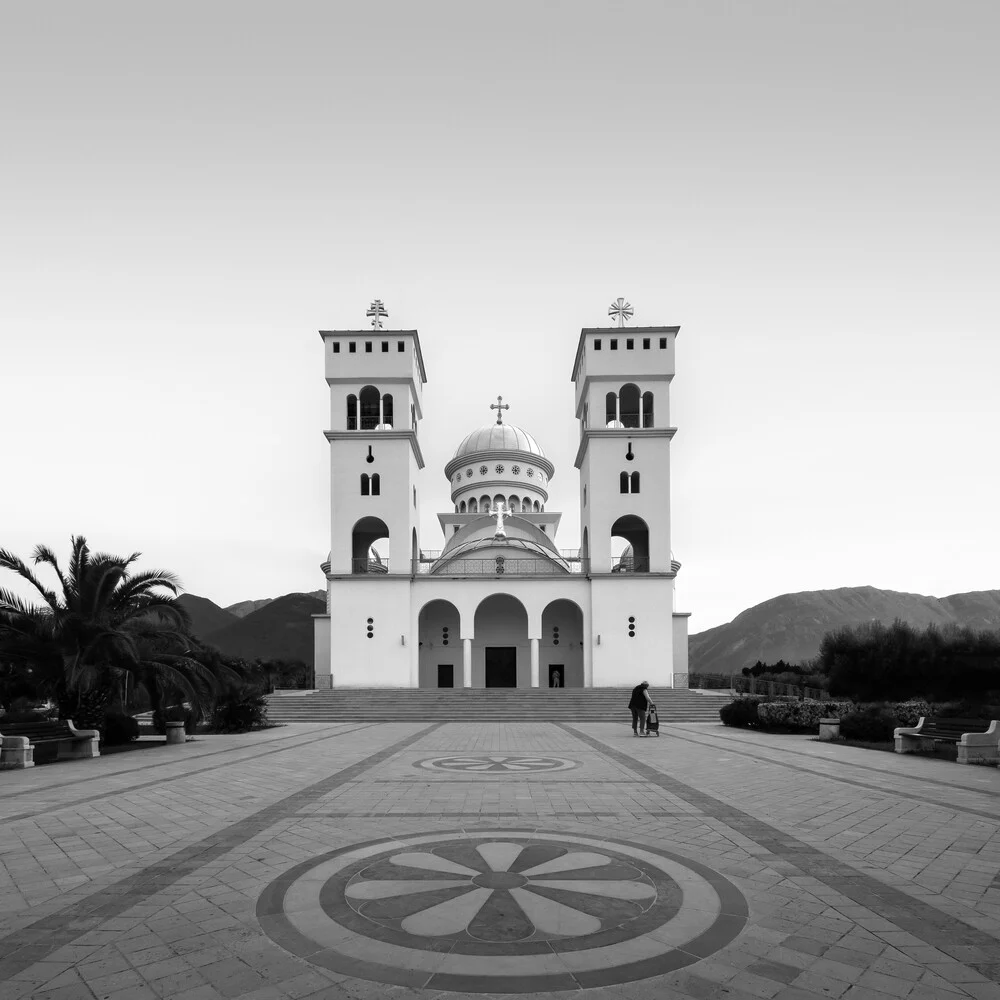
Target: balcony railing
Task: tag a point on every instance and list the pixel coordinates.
(369, 423)
(501, 566)
(369, 566)
(631, 564)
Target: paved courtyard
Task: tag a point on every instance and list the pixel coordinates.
(421, 860)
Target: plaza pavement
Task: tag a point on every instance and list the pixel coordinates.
(421, 860)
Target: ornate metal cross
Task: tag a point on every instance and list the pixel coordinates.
(621, 310)
(499, 406)
(377, 311)
(500, 511)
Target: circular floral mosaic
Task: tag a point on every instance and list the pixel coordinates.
(531, 472)
(468, 472)
(501, 911)
(499, 470)
(516, 469)
(496, 764)
(483, 470)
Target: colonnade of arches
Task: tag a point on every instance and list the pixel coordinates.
(628, 407)
(500, 649)
(369, 410)
(482, 505)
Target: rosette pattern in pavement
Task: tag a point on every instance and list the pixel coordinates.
(496, 763)
(507, 911)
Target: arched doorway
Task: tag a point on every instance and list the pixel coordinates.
(440, 654)
(366, 556)
(561, 647)
(501, 655)
(634, 532)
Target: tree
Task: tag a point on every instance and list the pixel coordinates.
(105, 624)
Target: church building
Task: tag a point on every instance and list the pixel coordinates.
(496, 603)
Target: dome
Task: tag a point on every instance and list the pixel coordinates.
(498, 437)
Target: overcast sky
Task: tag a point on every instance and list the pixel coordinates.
(191, 190)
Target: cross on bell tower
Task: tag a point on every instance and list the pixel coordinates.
(378, 312)
(499, 406)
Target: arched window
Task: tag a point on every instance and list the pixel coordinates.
(365, 484)
(635, 483)
(352, 412)
(376, 484)
(526, 506)
(628, 405)
(473, 506)
(514, 503)
(386, 411)
(585, 547)
(623, 483)
(584, 497)
(538, 507)
(499, 499)
(369, 399)
(610, 409)
(647, 409)
(484, 505)
(461, 507)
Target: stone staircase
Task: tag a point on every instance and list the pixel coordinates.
(486, 705)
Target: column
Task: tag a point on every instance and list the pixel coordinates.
(381, 411)
(357, 414)
(467, 663)
(534, 663)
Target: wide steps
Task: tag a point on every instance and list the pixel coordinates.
(484, 705)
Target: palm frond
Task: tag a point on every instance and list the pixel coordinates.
(11, 604)
(43, 554)
(12, 562)
(141, 583)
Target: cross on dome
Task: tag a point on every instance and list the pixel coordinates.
(377, 311)
(499, 406)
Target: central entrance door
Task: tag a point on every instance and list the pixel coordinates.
(501, 666)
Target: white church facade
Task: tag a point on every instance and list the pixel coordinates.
(499, 604)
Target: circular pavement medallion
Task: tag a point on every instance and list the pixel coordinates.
(501, 911)
(496, 763)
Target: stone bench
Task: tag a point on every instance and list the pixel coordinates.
(19, 739)
(978, 741)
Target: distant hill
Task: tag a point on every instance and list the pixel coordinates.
(206, 616)
(282, 629)
(791, 627)
(244, 608)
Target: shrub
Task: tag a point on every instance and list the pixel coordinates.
(118, 729)
(873, 724)
(240, 712)
(176, 713)
(741, 712)
(801, 715)
(28, 715)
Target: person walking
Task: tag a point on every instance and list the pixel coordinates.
(639, 704)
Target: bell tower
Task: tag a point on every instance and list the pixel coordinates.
(376, 379)
(622, 377)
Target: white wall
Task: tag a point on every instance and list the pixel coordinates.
(620, 661)
(383, 660)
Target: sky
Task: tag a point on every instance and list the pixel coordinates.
(192, 190)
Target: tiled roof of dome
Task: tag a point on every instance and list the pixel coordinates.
(498, 437)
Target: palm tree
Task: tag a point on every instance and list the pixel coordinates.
(105, 624)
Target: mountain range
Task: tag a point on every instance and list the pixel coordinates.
(789, 627)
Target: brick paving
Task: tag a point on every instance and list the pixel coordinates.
(173, 872)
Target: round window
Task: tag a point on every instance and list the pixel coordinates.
(483, 470)
(516, 469)
(499, 470)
